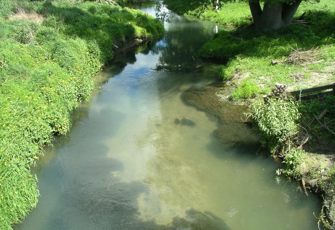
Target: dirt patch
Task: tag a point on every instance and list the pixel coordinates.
(303, 57)
(316, 78)
(28, 16)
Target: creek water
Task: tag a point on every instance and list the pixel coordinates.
(139, 158)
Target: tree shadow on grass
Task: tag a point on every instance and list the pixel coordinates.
(313, 30)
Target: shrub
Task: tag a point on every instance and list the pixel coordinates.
(293, 159)
(277, 120)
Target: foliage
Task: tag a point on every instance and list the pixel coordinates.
(6, 7)
(247, 89)
(230, 15)
(109, 26)
(277, 120)
(292, 160)
(322, 139)
(183, 7)
(46, 70)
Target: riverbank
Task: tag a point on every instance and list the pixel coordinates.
(299, 133)
(313, 168)
(49, 55)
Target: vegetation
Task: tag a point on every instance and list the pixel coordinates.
(277, 120)
(266, 14)
(297, 55)
(292, 131)
(49, 53)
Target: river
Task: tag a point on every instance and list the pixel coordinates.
(139, 158)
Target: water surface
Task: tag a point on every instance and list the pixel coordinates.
(139, 158)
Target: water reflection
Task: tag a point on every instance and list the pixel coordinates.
(181, 44)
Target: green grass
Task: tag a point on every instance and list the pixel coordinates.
(247, 89)
(46, 70)
(263, 57)
(230, 15)
(277, 120)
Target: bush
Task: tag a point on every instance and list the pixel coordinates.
(277, 120)
(292, 160)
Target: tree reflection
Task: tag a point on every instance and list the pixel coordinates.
(182, 40)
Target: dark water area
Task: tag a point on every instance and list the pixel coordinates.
(139, 158)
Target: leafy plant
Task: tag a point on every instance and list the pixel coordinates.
(277, 119)
(292, 161)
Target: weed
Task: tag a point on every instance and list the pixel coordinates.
(247, 89)
(277, 120)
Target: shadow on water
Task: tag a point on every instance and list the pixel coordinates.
(184, 121)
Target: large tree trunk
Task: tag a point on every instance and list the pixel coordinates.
(274, 15)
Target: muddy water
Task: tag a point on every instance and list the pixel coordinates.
(139, 158)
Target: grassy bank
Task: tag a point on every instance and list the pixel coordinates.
(300, 133)
(49, 54)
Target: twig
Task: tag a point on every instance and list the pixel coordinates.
(322, 114)
(304, 186)
(306, 137)
(303, 142)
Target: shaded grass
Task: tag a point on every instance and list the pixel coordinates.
(321, 137)
(263, 56)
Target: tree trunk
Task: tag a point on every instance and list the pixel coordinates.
(274, 15)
